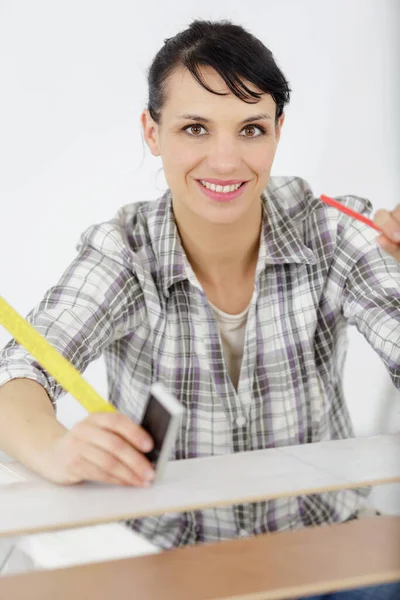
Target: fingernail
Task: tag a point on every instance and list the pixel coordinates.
(396, 236)
(149, 475)
(147, 445)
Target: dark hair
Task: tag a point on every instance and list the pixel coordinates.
(231, 50)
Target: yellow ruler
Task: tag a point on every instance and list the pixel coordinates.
(51, 360)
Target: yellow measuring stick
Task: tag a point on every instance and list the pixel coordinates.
(50, 359)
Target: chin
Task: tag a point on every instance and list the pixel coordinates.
(224, 215)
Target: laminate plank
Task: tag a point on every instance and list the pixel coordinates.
(371, 460)
(286, 565)
(36, 505)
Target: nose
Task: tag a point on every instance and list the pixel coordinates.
(223, 155)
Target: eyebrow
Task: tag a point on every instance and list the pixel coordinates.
(191, 117)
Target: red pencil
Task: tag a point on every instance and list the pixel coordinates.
(350, 212)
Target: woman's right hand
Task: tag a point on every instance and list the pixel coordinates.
(104, 447)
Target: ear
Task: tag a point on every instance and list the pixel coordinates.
(150, 132)
(279, 127)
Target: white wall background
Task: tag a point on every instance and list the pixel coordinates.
(73, 84)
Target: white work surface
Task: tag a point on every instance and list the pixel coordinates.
(29, 504)
(82, 545)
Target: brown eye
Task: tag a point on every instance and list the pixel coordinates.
(194, 130)
(249, 130)
(254, 131)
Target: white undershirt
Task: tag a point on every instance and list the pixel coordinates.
(232, 328)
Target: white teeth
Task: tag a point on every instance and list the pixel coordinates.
(219, 188)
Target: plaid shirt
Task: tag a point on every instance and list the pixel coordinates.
(132, 295)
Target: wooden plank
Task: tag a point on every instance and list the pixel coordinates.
(36, 505)
(372, 458)
(274, 566)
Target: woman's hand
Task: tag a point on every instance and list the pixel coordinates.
(104, 447)
(389, 223)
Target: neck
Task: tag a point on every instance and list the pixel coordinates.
(219, 253)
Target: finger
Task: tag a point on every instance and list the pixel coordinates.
(125, 427)
(110, 466)
(88, 471)
(396, 214)
(389, 226)
(118, 447)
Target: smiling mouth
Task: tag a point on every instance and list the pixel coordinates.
(224, 189)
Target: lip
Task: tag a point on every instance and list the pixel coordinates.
(220, 196)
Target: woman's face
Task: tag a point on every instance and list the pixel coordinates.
(217, 140)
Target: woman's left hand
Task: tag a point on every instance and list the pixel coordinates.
(389, 223)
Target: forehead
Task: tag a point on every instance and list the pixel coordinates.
(185, 94)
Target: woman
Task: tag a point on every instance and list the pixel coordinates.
(233, 289)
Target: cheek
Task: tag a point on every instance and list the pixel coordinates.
(261, 159)
(179, 161)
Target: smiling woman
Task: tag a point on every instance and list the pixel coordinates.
(234, 290)
(217, 151)
(203, 87)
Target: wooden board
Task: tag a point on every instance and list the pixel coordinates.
(32, 505)
(270, 567)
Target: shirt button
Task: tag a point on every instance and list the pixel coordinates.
(243, 533)
(240, 421)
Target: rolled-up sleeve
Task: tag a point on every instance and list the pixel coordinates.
(371, 294)
(95, 302)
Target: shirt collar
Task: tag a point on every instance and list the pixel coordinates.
(281, 240)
